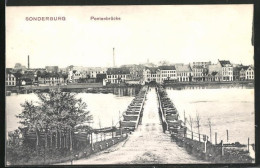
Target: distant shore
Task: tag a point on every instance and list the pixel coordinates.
(218, 83)
(97, 87)
(77, 87)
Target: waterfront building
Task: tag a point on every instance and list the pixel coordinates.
(226, 70)
(242, 72)
(198, 72)
(47, 78)
(236, 72)
(167, 73)
(222, 71)
(85, 72)
(10, 79)
(92, 72)
(159, 74)
(249, 73)
(28, 78)
(118, 75)
(151, 74)
(214, 73)
(184, 73)
(74, 76)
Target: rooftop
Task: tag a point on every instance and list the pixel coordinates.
(118, 71)
(183, 68)
(224, 62)
(167, 68)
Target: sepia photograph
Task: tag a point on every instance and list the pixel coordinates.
(130, 85)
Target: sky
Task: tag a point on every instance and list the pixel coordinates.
(174, 33)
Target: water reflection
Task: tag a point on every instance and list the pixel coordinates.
(126, 91)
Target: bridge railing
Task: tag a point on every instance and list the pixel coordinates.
(196, 136)
(163, 118)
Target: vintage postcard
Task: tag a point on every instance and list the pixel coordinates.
(130, 84)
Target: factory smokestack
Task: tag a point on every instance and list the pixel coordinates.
(28, 62)
(114, 57)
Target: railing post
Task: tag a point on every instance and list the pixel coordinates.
(248, 144)
(192, 135)
(199, 137)
(222, 148)
(205, 145)
(216, 138)
(227, 135)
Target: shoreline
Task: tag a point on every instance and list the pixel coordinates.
(99, 88)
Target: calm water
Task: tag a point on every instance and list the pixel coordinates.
(103, 107)
(228, 108)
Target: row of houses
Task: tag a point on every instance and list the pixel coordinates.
(199, 71)
(39, 76)
(223, 70)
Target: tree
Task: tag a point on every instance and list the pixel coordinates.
(31, 118)
(190, 122)
(198, 123)
(18, 74)
(56, 110)
(63, 111)
(209, 124)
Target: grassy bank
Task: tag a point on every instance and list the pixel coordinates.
(214, 153)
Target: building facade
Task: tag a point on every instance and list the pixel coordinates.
(74, 76)
(226, 70)
(184, 73)
(198, 73)
(151, 74)
(10, 79)
(167, 73)
(159, 74)
(118, 75)
(249, 73)
(214, 73)
(51, 79)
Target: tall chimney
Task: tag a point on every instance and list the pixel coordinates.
(114, 57)
(28, 62)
